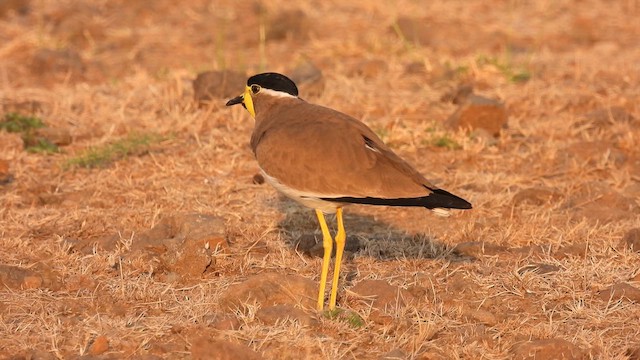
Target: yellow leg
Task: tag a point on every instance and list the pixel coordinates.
(341, 238)
(327, 243)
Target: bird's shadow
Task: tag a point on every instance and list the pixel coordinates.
(365, 236)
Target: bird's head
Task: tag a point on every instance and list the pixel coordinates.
(265, 84)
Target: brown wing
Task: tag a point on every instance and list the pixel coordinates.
(318, 150)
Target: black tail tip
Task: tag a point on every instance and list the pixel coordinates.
(443, 199)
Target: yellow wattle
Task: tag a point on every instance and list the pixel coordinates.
(248, 102)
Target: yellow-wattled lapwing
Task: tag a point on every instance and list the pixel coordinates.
(325, 160)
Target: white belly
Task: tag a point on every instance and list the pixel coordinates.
(310, 200)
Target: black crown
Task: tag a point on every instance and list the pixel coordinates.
(274, 81)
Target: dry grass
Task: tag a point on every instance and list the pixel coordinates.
(551, 62)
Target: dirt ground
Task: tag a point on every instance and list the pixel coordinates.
(135, 228)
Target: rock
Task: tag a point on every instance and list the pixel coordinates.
(547, 349)
(458, 95)
(433, 354)
(577, 249)
(477, 249)
(181, 247)
(272, 314)
(600, 118)
(536, 196)
(218, 86)
(269, 289)
(415, 67)
(311, 245)
(183, 244)
(480, 315)
(383, 298)
(204, 348)
(479, 112)
(60, 62)
(631, 240)
(99, 346)
(395, 354)
(634, 353)
(309, 79)
(20, 7)
(288, 24)
(592, 153)
(620, 291)
(369, 68)
(89, 245)
(56, 136)
(75, 283)
(17, 278)
(412, 29)
(538, 268)
(597, 202)
(636, 278)
(227, 323)
(5, 176)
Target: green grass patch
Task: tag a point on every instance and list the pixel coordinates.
(353, 319)
(26, 126)
(100, 156)
(16, 123)
(509, 70)
(445, 142)
(42, 146)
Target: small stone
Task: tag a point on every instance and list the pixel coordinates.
(183, 244)
(577, 249)
(288, 24)
(218, 86)
(20, 7)
(5, 176)
(598, 203)
(369, 68)
(76, 283)
(227, 323)
(547, 349)
(57, 136)
(477, 249)
(272, 314)
(536, 196)
(592, 153)
(17, 278)
(308, 244)
(59, 61)
(634, 353)
(382, 295)
(395, 354)
(269, 289)
(205, 348)
(607, 116)
(458, 95)
(309, 79)
(538, 268)
(32, 282)
(620, 291)
(99, 346)
(414, 30)
(631, 240)
(482, 316)
(479, 112)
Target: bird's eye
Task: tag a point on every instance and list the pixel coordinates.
(255, 89)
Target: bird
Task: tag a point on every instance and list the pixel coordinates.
(325, 160)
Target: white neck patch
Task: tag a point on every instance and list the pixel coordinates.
(276, 93)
